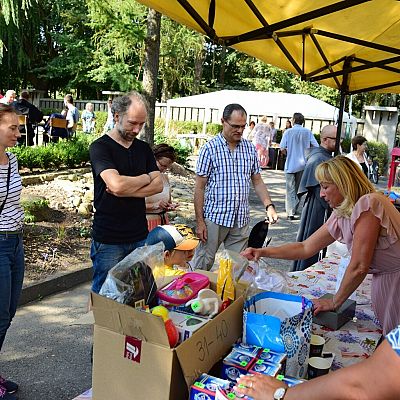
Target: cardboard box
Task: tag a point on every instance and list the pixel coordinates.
(133, 360)
(336, 319)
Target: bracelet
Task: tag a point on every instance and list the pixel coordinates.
(269, 205)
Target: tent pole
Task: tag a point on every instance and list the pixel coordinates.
(343, 93)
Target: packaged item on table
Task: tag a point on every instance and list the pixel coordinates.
(236, 364)
(288, 380)
(265, 368)
(205, 387)
(183, 288)
(273, 357)
(250, 350)
(229, 394)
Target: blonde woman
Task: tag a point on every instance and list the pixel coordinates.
(368, 224)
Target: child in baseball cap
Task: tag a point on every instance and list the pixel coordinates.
(179, 242)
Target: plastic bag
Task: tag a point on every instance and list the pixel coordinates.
(263, 277)
(131, 281)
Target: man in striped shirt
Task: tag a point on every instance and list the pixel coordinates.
(225, 167)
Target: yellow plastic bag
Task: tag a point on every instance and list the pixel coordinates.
(225, 286)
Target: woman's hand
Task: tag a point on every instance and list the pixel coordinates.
(323, 305)
(252, 254)
(258, 387)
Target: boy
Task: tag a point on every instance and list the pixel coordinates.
(179, 242)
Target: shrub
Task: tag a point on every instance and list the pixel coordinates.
(101, 119)
(379, 151)
(33, 209)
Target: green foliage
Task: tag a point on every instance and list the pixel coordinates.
(101, 119)
(32, 208)
(182, 127)
(346, 145)
(379, 151)
(70, 153)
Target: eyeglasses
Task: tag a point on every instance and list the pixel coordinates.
(330, 137)
(234, 126)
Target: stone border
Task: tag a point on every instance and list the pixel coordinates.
(55, 284)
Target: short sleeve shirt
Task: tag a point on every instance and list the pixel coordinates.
(393, 338)
(119, 220)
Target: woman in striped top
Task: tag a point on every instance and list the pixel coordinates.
(11, 222)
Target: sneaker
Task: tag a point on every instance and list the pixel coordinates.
(4, 395)
(10, 386)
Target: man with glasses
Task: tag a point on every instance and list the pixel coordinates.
(315, 209)
(124, 173)
(226, 166)
(295, 141)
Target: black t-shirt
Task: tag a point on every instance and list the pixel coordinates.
(119, 220)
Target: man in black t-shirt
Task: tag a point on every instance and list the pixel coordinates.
(124, 172)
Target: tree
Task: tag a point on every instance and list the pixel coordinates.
(150, 70)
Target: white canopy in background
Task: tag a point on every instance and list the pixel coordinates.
(261, 103)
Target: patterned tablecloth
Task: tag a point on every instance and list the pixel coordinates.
(356, 339)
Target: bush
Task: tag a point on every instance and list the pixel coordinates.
(379, 151)
(182, 127)
(101, 119)
(71, 153)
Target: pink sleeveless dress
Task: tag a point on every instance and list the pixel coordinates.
(385, 265)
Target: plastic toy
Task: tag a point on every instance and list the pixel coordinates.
(172, 332)
(207, 302)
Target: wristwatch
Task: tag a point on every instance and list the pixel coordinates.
(279, 393)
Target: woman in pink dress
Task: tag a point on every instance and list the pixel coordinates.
(158, 204)
(368, 224)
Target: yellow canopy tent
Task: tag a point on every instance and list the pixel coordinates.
(351, 45)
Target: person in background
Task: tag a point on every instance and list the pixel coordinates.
(9, 97)
(377, 377)
(248, 133)
(262, 141)
(72, 114)
(124, 173)
(12, 264)
(315, 210)
(295, 141)
(273, 131)
(110, 119)
(88, 119)
(226, 166)
(358, 155)
(288, 125)
(158, 204)
(179, 244)
(369, 225)
(34, 115)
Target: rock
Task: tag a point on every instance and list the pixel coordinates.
(83, 210)
(77, 201)
(88, 197)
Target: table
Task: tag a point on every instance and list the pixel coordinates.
(356, 339)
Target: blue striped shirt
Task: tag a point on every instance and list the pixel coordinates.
(228, 174)
(12, 216)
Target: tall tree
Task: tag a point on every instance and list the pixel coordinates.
(150, 70)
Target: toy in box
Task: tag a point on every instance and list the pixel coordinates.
(186, 324)
(265, 368)
(235, 364)
(205, 387)
(182, 289)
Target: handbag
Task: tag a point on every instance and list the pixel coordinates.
(7, 187)
(280, 322)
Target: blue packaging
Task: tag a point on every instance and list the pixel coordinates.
(290, 381)
(248, 349)
(235, 364)
(265, 368)
(205, 387)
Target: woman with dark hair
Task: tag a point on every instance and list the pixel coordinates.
(158, 204)
(12, 263)
(359, 146)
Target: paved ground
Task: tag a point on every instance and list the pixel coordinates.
(47, 353)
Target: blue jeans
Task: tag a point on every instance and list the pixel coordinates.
(105, 256)
(12, 268)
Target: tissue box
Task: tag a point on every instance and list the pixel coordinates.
(206, 386)
(265, 368)
(273, 357)
(235, 364)
(335, 319)
(229, 394)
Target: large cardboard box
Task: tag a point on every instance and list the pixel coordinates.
(133, 360)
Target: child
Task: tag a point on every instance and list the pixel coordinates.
(179, 242)
(88, 118)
